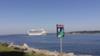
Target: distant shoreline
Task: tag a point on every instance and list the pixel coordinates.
(83, 32)
(67, 33)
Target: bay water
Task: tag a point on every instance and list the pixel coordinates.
(78, 44)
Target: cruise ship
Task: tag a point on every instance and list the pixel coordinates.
(36, 32)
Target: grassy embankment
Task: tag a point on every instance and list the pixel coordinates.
(6, 51)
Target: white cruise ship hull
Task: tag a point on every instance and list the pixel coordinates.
(36, 32)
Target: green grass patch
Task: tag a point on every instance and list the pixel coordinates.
(5, 48)
(6, 51)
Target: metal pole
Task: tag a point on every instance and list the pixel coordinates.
(61, 46)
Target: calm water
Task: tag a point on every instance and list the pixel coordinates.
(79, 44)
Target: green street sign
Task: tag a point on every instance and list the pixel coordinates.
(60, 31)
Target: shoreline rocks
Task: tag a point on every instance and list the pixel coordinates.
(27, 49)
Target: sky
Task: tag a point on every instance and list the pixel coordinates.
(18, 16)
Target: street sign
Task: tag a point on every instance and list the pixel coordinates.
(60, 30)
(60, 34)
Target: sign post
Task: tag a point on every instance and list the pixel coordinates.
(60, 34)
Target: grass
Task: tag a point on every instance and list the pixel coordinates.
(34, 54)
(6, 51)
(5, 48)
